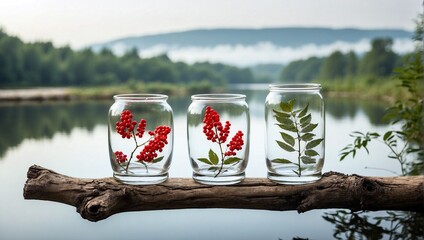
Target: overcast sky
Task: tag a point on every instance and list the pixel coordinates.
(82, 22)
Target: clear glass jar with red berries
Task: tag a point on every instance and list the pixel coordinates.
(218, 138)
(140, 138)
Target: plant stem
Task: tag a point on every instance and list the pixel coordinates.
(399, 157)
(132, 153)
(222, 153)
(299, 173)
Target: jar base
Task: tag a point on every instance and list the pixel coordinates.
(293, 179)
(140, 179)
(221, 180)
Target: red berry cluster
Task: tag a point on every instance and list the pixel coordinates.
(120, 157)
(125, 127)
(213, 128)
(158, 138)
(236, 143)
(158, 142)
(215, 132)
(141, 128)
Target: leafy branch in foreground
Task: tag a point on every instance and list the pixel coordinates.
(408, 142)
(296, 128)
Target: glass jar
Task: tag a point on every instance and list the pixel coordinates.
(218, 138)
(140, 138)
(295, 133)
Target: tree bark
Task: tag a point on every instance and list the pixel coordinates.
(97, 199)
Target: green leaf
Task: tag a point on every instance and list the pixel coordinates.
(289, 139)
(374, 135)
(291, 104)
(285, 121)
(295, 112)
(205, 160)
(387, 135)
(304, 111)
(314, 143)
(308, 160)
(390, 138)
(311, 153)
(213, 157)
(290, 128)
(285, 106)
(281, 160)
(309, 128)
(357, 133)
(307, 137)
(281, 114)
(232, 160)
(344, 155)
(286, 147)
(157, 159)
(305, 120)
(213, 169)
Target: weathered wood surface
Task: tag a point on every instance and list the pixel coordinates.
(97, 199)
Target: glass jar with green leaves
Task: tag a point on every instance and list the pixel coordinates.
(295, 133)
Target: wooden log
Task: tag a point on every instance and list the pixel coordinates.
(97, 199)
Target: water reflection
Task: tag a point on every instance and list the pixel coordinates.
(390, 225)
(342, 108)
(82, 125)
(39, 120)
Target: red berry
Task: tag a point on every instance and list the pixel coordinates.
(148, 154)
(236, 143)
(120, 157)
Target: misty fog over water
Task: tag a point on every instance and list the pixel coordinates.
(260, 53)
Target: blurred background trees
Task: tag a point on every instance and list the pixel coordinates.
(42, 64)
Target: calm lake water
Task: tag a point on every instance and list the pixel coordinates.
(71, 138)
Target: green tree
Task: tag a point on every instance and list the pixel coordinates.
(41, 64)
(381, 60)
(334, 66)
(302, 70)
(351, 64)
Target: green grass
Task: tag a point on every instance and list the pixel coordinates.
(366, 88)
(132, 87)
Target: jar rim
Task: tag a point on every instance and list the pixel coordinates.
(295, 86)
(218, 97)
(140, 97)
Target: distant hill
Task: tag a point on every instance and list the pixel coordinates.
(249, 47)
(289, 37)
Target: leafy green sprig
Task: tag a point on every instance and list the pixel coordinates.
(408, 142)
(296, 135)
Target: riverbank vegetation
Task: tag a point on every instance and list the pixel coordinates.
(41, 64)
(407, 143)
(178, 90)
(347, 74)
(102, 74)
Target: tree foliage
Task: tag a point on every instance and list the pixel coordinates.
(378, 62)
(42, 64)
(406, 144)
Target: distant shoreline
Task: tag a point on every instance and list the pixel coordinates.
(70, 93)
(35, 94)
